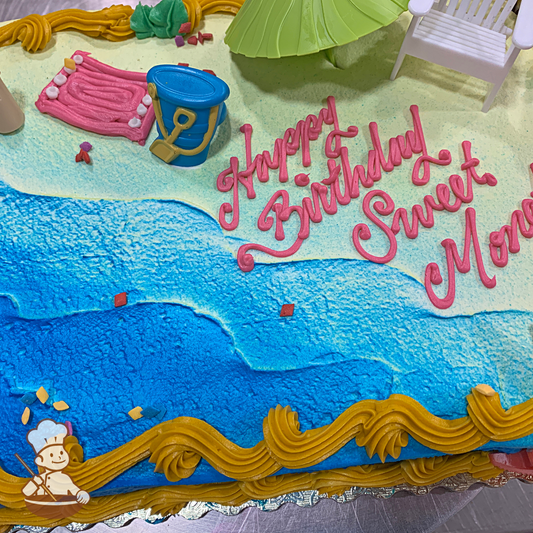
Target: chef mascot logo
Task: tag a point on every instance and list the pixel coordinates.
(51, 493)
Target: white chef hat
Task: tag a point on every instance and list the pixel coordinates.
(47, 433)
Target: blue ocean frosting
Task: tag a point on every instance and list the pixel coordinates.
(201, 338)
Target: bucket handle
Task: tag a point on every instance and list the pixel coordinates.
(165, 148)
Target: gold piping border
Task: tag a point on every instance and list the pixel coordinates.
(170, 500)
(112, 23)
(35, 31)
(382, 426)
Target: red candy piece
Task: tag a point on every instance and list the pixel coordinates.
(200, 37)
(287, 310)
(183, 64)
(210, 72)
(185, 28)
(83, 156)
(121, 299)
(207, 36)
(193, 40)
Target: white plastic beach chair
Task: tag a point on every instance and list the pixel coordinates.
(468, 36)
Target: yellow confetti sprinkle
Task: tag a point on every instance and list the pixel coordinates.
(61, 406)
(26, 415)
(69, 63)
(42, 395)
(486, 390)
(135, 413)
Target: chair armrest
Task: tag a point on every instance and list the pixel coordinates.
(523, 30)
(419, 8)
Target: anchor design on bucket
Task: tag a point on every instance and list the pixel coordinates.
(190, 104)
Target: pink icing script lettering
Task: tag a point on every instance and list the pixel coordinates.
(498, 252)
(453, 260)
(400, 147)
(327, 194)
(456, 187)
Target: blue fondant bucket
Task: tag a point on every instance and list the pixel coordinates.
(189, 106)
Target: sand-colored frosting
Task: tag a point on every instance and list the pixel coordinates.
(35, 31)
(383, 427)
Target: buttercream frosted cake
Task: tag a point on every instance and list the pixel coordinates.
(312, 308)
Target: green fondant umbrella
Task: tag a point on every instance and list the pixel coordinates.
(280, 28)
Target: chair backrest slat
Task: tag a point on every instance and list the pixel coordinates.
(465, 4)
(498, 25)
(475, 11)
(477, 18)
(452, 6)
(490, 19)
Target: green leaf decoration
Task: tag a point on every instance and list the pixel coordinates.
(163, 20)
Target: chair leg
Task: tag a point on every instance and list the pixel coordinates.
(511, 56)
(490, 97)
(397, 65)
(401, 55)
